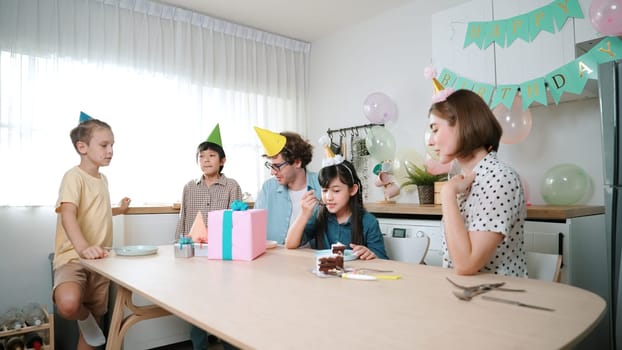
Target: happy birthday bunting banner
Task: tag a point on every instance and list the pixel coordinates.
(496, 33)
(556, 81)
(567, 9)
(484, 90)
(526, 26)
(447, 77)
(504, 94)
(517, 28)
(539, 20)
(570, 77)
(608, 49)
(533, 90)
(463, 83)
(474, 34)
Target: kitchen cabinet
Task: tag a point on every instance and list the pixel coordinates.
(449, 29)
(583, 30)
(577, 239)
(524, 61)
(582, 243)
(575, 232)
(518, 63)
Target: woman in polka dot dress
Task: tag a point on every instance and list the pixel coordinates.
(483, 207)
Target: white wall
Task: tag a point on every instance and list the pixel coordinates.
(27, 240)
(388, 54)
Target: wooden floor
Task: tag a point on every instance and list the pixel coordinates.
(187, 345)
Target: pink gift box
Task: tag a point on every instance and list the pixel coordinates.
(248, 234)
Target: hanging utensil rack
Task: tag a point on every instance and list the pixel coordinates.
(356, 128)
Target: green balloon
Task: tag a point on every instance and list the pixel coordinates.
(564, 184)
(380, 143)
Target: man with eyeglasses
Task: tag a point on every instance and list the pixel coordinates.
(288, 155)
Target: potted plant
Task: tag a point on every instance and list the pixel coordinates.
(424, 181)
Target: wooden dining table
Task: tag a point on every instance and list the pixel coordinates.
(276, 302)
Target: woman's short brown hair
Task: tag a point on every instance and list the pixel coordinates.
(477, 126)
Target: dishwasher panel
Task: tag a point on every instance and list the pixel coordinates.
(398, 229)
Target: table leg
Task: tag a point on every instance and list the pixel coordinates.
(120, 325)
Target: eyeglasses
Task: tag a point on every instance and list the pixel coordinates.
(275, 167)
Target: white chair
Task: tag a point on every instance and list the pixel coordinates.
(545, 267)
(408, 249)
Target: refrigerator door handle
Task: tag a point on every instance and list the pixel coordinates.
(560, 246)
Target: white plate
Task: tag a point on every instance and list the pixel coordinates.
(270, 244)
(347, 255)
(136, 250)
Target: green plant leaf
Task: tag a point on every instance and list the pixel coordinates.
(419, 176)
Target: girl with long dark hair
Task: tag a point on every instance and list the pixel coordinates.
(339, 217)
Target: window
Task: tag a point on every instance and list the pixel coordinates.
(157, 122)
(161, 76)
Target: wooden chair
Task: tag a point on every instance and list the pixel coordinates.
(545, 267)
(409, 249)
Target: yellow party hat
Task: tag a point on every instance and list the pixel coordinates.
(440, 92)
(438, 87)
(273, 143)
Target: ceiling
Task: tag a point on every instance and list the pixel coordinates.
(307, 20)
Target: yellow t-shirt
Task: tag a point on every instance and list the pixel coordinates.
(91, 196)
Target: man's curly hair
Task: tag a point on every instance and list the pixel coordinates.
(296, 148)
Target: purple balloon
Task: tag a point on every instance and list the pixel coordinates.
(379, 108)
(606, 16)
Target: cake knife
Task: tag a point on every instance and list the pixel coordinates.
(517, 303)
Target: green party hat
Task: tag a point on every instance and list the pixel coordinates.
(214, 137)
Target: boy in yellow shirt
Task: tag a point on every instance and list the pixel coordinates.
(83, 229)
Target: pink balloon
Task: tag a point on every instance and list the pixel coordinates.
(606, 16)
(379, 108)
(516, 123)
(435, 167)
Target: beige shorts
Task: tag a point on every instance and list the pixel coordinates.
(94, 286)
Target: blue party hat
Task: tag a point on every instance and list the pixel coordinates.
(84, 117)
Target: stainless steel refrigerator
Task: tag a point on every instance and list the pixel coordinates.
(610, 92)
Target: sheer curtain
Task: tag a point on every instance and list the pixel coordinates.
(162, 77)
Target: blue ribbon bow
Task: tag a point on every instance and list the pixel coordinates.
(239, 206)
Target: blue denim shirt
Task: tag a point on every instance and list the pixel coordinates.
(275, 199)
(336, 232)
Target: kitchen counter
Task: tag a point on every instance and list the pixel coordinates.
(534, 212)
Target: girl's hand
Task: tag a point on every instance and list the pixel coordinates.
(362, 252)
(308, 202)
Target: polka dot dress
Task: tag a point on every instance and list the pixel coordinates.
(495, 203)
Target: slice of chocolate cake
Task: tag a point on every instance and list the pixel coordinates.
(330, 263)
(338, 248)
